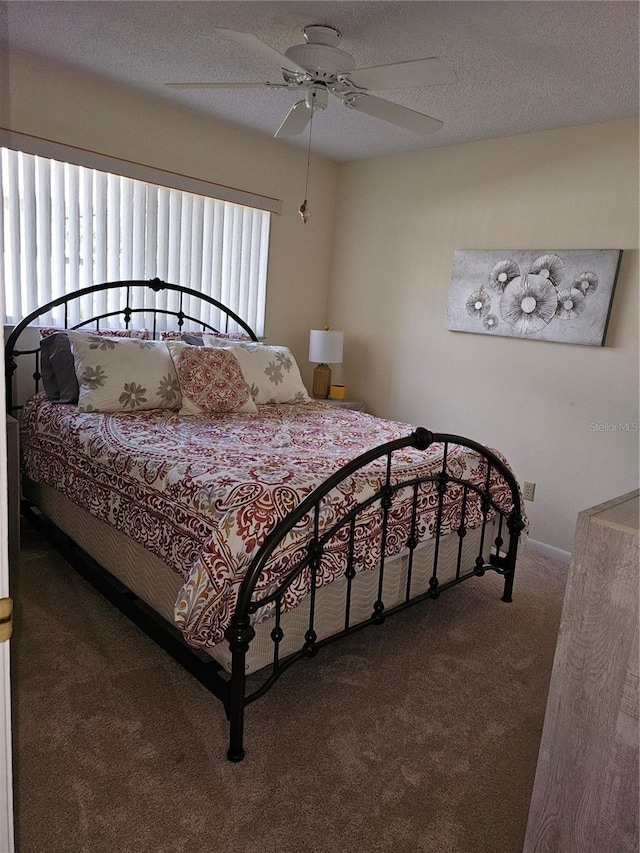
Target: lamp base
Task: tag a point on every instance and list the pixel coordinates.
(321, 382)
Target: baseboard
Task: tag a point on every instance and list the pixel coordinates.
(549, 551)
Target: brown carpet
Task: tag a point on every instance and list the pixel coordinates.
(421, 735)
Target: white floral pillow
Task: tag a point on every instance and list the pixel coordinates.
(211, 380)
(197, 338)
(123, 374)
(271, 374)
(219, 340)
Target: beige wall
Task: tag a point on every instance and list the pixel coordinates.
(53, 102)
(399, 220)
(383, 232)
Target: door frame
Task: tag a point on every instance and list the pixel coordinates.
(7, 842)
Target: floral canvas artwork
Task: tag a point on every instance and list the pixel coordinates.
(535, 294)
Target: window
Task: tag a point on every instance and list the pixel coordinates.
(64, 227)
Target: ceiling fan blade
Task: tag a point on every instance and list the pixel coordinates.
(227, 85)
(404, 75)
(388, 111)
(266, 51)
(297, 119)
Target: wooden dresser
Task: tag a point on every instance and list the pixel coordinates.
(585, 795)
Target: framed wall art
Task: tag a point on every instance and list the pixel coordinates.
(545, 295)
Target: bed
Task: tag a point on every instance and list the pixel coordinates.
(240, 523)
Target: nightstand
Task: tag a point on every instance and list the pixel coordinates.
(356, 405)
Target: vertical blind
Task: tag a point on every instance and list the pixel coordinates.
(65, 227)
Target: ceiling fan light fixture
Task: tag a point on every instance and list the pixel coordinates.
(316, 98)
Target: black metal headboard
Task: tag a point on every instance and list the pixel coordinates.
(130, 289)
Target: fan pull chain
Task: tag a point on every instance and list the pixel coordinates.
(304, 213)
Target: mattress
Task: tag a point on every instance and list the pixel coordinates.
(158, 585)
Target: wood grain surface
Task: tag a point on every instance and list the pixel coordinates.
(585, 795)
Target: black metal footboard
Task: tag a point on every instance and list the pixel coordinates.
(494, 499)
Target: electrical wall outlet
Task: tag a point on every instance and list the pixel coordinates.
(528, 491)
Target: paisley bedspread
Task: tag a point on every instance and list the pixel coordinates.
(203, 492)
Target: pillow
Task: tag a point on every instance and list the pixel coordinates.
(226, 338)
(217, 340)
(56, 360)
(141, 334)
(196, 338)
(57, 368)
(121, 375)
(211, 380)
(192, 338)
(271, 374)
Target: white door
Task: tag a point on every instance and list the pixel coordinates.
(6, 776)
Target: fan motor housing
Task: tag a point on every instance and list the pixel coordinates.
(322, 61)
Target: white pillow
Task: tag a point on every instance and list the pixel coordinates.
(211, 340)
(211, 380)
(271, 374)
(123, 374)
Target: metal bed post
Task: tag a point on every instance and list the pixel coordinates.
(239, 634)
(515, 526)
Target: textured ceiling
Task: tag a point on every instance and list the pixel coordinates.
(522, 66)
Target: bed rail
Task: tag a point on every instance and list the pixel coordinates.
(505, 517)
(132, 297)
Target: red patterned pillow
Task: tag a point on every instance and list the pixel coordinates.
(211, 380)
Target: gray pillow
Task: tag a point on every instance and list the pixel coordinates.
(57, 368)
(49, 381)
(195, 340)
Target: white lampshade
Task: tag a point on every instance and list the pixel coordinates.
(325, 346)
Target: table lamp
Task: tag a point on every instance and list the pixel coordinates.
(325, 347)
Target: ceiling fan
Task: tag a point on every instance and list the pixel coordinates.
(318, 68)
